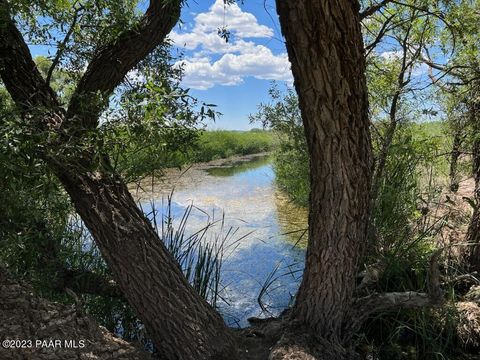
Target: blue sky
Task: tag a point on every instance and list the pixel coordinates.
(234, 75)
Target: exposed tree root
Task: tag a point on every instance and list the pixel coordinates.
(468, 326)
(282, 339)
(25, 316)
(256, 341)
(297, 343)
(29, 318)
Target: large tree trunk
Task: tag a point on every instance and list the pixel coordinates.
(181, 324)
(473, 234)
(325, 48)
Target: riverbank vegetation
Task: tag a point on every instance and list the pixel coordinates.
(221, 144)
(291, 158)
(380, 140)
(409, 222)
(180, 147)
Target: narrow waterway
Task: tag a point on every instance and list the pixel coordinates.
(266, 232)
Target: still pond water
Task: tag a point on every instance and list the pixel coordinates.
(271, 230)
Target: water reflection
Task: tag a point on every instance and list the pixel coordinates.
(238, 166)
(244, 196)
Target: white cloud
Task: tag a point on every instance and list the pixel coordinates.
(230, 69)
(419, 68)
(243, 24)
(392, 55)
(236, 59)
(211, 43)
(135, 77)
(201, 74)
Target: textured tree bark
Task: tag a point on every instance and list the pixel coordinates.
(181, 324)
(473, 233)
(325, 48)
(454, 156)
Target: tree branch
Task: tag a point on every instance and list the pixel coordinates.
(104, 73)
(392, 113)
(19, 72)
(110, 65)
(62, 46)
(383, 30)
(375, 303)
(374, 8)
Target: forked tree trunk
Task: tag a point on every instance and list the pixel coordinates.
(325, 49)
(181, 324)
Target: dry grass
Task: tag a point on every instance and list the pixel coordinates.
(455, 212)
(468, 326)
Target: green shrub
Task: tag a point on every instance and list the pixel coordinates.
(291, 164)
(291, 169)
(405, 189)
(404, 243)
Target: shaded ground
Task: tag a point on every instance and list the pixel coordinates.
(50, 331)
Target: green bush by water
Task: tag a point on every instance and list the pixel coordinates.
(404, 241)
(282, 116)
(139, 156)
(292, 173)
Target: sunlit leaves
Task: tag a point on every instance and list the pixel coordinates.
(153, 121)
(76, 28)
(382, 74)
(282, 115)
